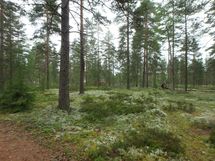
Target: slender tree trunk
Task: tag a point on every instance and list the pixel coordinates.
(154, 78)
(145, 69)
(1, 47)
(186, 48)
(64, 102)
(86, 70)
(128, 51)
(10, 56)
(147, 61)
(173, 47)
(81, 89)
(98, 56)
(194, 70)
(47, 49)
(109, 69)
(169, 56)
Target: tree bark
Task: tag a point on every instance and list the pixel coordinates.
(186, 48)
(82, 63)
(98, 57)
(145, 67)
(173, 47)
(47, 49)
(10, 54)
(128, 52)
(169, 69)
(1, 47)
(64, 102)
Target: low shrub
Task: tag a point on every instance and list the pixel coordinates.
(16, 98)
(203, 123)
(180, 106)
(98, 108)
(153, 139)
(212, 137)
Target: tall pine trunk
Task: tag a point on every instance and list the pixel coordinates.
(173, 47)
(11, 65)
(144, 67)
(128, 51)
(47, 50)
(169, 57)
(147, 56)
(98, 58)
(1, 47)
(186, 49)
(81, 90)
(64, 59)
(145, 63)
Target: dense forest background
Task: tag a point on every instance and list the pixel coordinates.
(158, 42)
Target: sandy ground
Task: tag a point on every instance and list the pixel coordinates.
(18, 145)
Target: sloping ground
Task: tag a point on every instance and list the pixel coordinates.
(17, 145)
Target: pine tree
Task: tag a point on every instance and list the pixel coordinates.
(64, 59)
(46, 9)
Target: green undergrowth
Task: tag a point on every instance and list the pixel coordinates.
(16, 98)
(126, 125)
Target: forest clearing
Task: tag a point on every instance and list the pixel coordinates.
(107, 80)
(124, 125)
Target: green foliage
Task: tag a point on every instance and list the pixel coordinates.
(154, 139)
(148, 139)
(212, 137)
(99, 108)
(16, 98)
(180, 105)
(203, 123)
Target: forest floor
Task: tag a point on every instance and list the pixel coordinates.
(18, 145)
(113, 125)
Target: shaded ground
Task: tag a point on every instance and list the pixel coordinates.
(17, 145)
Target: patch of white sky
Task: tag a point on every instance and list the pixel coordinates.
(205, 40)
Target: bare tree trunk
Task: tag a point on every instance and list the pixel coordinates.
(173, 47)
(64, 102)
(1, 47)
(10, 55)
(81, 90)
(169, 56)
(145, 67)
(147, 56)
(128, 52)
(47, 49)
(194, 82)
(186, 48)
(98, 58)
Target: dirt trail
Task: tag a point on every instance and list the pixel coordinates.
(18, 145)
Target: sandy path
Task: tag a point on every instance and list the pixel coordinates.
(17, 145)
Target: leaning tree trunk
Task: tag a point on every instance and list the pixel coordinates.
(64, 59)
(81, 90)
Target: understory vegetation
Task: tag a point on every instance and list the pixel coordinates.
(16, 98)
(125, 125)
